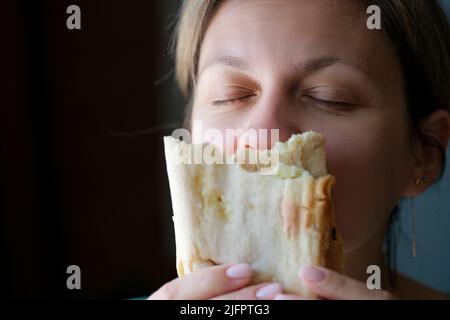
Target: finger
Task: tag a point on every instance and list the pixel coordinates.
(332, 285)
(288, 297)
(205, 283)
(265, 291)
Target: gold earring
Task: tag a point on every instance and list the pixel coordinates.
(413, 227)
(418, 180)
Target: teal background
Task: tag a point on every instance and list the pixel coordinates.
(432, 263)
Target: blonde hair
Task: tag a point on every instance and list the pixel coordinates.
(190, 29)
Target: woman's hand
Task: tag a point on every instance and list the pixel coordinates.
(227, 282)
(328, 284)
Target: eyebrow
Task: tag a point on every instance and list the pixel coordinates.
(310, 66)
(229, 61)
(316, 64)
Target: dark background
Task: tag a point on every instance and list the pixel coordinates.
(76, 188)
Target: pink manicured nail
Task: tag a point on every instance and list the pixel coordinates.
(239, 271)
(268, 291)
(288, 297)
(312, 274)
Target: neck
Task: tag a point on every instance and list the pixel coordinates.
(369, 253)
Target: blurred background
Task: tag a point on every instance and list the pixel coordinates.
(83, 177)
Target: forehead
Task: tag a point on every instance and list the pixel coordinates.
(279, 33)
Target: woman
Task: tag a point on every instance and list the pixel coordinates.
(380, 98)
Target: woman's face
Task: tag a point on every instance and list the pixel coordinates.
(313, 65)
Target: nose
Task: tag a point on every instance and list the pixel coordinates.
(273, 111)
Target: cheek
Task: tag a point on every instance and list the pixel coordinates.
(371, 171)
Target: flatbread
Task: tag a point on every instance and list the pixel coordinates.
(234, 213)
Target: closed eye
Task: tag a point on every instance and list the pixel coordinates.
(329, 103)
(231, 101)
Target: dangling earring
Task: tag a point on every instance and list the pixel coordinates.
(413, 221)
(413, 227)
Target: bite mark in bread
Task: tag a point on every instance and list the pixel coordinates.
(231, 213)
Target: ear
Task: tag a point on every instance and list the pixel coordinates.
(436, 129)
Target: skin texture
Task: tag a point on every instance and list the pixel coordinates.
(270, 69)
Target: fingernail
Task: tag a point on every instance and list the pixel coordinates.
(269, 291)
(239, 271)
(287, 297)
(312, 274)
